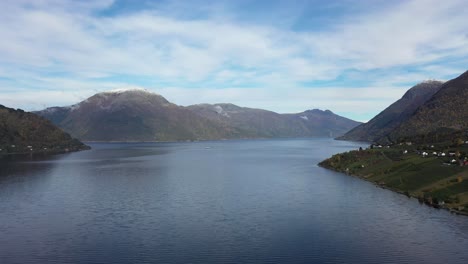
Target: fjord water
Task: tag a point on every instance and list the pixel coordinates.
(262, 201)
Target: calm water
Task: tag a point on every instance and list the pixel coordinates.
(260, 201)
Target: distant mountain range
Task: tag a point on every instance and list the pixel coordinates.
(140, 115)
(23, 132)
(431, 111)
(263, 123)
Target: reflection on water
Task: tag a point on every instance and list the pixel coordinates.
(261, 201)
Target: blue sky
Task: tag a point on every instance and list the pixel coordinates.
(352, 57)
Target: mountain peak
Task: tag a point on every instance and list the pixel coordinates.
(422, 88)
(440, 118)
(127, 95)
(319, 111)
(400, 111)
(431, 81)
(428, 83)
(464, 75)
(128, 89)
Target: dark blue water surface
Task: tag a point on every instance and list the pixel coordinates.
(263, 201)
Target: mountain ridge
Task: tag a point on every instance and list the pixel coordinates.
(141, 115)
(394, 115)
(442, 117)
(132, 115)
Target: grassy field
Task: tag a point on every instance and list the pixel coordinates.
(434, 179)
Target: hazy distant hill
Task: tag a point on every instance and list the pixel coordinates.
(324, 123)
(390, 118)
(265, 123)
(261, 123)
(22, 132)
(140, 115)
(442, 117)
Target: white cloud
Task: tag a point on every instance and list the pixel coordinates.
(411, 33)
(54, 46)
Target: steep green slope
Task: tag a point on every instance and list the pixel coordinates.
(444, 117)
(438, 180)
(430, 157)
(22, 132)
(386, 121)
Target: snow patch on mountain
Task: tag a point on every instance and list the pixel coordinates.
(128, 89)
(50, 110)
(74, 107)
(218, 109)
(431, 81)
(304, 117)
